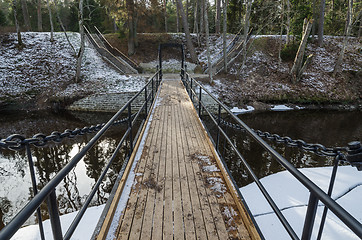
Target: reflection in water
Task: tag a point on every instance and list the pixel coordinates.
(328, 128)
(16, 188)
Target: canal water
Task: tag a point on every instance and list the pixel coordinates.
(330, 128)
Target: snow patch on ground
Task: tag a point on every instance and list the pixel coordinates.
(50, 67)
(237, 110)
(217, 186)
(293, 197)
(83, 231)
(281, 108)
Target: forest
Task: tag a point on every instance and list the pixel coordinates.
(272, 17)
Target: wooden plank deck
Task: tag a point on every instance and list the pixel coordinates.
(179, 191)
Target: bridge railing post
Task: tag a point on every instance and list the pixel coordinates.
(152, 89)
(330, 189)
(200, 106)
(35, 189)
(130, 127)
(54, 216)
(146, 101)
(218, 131)
(310, 217)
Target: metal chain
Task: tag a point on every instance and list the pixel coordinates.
(17, 142)
(318, 149)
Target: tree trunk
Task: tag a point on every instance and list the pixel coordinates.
(26, 15)
(190, 46)
(40, 20)
(131, 27)
(196, 30)
(20, 41)
(360, 26)
(217, 16)
(321, 22)
(298, 61)
(314, 17)
(281, 31)
(51, 22)
(62, 26)
(202, 12)
(165, 14)
(224, 36)
(288, 22)
(82, 39)
(246, 30)
(177, 17)
(209, 63)
(338, 66)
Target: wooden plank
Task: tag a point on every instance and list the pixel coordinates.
(168, 207)
(216, 207)
(203, 197)
(109, 217)
(153, 184)
(172, 199)
(244, 214)
(178, 219)
(147, 182)
(158, 216)
(198, 218)
(188, 215)
(231, 225)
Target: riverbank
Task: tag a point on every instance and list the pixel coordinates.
(41, 75)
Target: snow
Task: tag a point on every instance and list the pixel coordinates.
(281, 108)
(237, 110)
(292, 199)
(83, 231)
(43, 65)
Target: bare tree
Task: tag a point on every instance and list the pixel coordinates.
(131, 27)
(315, 16)
(51, 22)
(24, 7)
(63, 28)
(246, 30)
(196, 7)
(288, 21)
(217, 16)
(82, 40)
(177, 17)
(281, 30)
(209, 63)
(321, 22)
(298, 67)
(190, 46)
(20, 41)
(338, 66)
(360, 25)
(165, 14)
(225, 4)
(40, 20)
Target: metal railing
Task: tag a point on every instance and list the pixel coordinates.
(48, 192)
(196, 92)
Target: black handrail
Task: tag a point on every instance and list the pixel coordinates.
(316, 194)
(48, 191)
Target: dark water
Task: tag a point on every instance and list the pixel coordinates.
(328, 128)
(16, 188)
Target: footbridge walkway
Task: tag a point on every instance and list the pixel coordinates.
(181, 189)
(174, 183)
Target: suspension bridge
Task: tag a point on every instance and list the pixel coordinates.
(179, 185)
